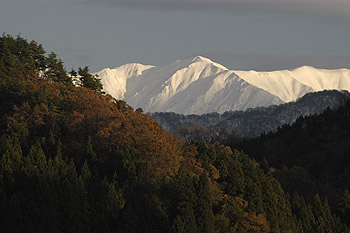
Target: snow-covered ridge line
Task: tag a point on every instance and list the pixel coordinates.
(198, 85)
(292, 84)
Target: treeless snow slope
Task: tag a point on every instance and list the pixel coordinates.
(192, 86)
(198, 85)
(114, 80)
(290, 85)
(321, 79)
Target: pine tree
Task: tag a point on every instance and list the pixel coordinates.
(38, 54)
(85, 173)
(115, 200)
(35, 162)
(186, 200)
(303, 212)
(204, 213)
(90, 153)
(11, 155)
(344, 207)
(178, 225)
(55, 71)
(90, 81)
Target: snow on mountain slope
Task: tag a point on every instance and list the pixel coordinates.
(198, 85)
(192, 86)
(291, 85)
(114, 80)
(164, 88)
(220, 92)
(279, 83)
(321, 79)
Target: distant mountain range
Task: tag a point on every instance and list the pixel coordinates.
(252, 122)
(198, 85)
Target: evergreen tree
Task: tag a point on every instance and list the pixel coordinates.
(303, 212)
(185, 202)
(344, 207)
(90, 81)
(35, 162)
(204, 213)
(55, 70)
(178, 225)
(90, 153)
(11, 156)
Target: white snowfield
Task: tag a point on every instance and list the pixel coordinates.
(198, 85)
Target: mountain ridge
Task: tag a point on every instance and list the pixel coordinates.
(198, 85)
(252, 122)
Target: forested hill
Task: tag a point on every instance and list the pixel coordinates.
(311, 156)
(252, 122)
(75, 160)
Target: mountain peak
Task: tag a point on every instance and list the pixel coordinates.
(134, 66)
(203, 60)
(304, 68)
(200, 85)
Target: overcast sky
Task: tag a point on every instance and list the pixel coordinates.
(240, 34)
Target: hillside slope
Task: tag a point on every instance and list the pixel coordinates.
(253, 122)
(75, 160)
(311, 156)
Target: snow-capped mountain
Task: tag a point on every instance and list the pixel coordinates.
(114, 80)
(198, 85)
(290, 85)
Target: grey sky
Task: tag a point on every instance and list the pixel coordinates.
(240, 34)
(328, 8)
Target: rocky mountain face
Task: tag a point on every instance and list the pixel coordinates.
(254, 121)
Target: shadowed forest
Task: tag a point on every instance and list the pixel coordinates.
(73, 159)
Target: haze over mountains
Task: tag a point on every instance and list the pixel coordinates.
(198, 85)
